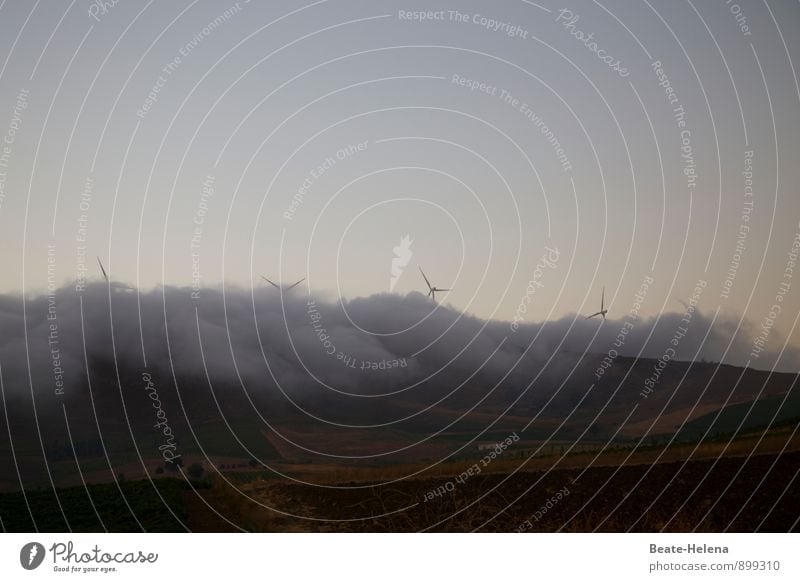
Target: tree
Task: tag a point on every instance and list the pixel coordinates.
(173, 465)
(195, 471)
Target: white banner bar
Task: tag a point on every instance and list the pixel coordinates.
(390, 557)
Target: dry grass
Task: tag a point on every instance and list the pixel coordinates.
(743, 446)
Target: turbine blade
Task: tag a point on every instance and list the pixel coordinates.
(296, 284)
(270, 282)
(426, 279)
(603, 299)
(105, 275)
(443, 289)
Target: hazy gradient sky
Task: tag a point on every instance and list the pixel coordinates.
(257, 102)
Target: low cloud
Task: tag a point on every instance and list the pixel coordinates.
(298, 345)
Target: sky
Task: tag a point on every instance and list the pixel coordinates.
(204, 144)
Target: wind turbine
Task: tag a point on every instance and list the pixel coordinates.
(105, 275)
(432, 289)
(112, 284)
(279, 288)
(603, 310)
